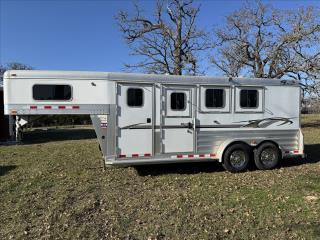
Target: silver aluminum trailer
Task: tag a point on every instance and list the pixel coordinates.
(152, 119)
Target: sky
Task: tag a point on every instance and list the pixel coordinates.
(83, 34)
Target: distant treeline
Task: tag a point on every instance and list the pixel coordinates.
(310, 105)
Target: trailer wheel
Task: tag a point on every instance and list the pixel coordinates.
(266, 156)
(236, 158)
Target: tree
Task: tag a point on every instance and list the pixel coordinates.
(168, 42)
(263, 42)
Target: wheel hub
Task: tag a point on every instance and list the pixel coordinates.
(237, 158)
(267, 156)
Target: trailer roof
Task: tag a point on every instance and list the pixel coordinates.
(149, 78)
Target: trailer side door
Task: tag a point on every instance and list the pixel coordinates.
(135, 120)
(178, 119)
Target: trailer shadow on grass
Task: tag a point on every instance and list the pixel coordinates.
(313, 124)
(312, 156)
(6, 169)
(312, 151)
(51, 135)
(180, 168)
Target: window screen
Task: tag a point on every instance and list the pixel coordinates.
(51, 92)
(249, 98)
(135, 97)
(214, 98)
(178, 101)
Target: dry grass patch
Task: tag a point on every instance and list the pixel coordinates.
(56, 190)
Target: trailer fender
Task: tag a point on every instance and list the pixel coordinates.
(226, 144)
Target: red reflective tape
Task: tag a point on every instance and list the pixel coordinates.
(287, 152)
(62, 107)
(296, 151)
(47, 107)
(212, 154)
(179, 156)
(135, 155)
(122, 156)
(202, 155)
(75, 107)
(33, 107)
(147, 154)
(190, 155)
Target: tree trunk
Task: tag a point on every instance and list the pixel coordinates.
(177, 48)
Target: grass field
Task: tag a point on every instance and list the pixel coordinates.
(56, 190)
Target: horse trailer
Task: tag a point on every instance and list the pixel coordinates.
(152, 119)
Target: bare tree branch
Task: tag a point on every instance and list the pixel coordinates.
(261, 41)
(169, 42)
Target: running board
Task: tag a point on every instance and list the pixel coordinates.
(149, 161)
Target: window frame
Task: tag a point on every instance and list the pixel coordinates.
(140, 106)
(188, 90)
(223, 98)
(185, 102)
(261, 99)
(228, 92)
(53, 100)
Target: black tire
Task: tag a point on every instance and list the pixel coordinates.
(267, 156)
(236, 158)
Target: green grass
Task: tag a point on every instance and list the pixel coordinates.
(57, 190)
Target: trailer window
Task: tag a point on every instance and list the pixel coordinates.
(51, 92)
(135, 97)
(215, 98)
(249, 98)
(178, 101)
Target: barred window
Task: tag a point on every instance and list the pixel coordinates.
(215, 98)
(249, 98)
(178, 101)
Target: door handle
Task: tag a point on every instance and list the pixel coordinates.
(148, 120)
(189, 125)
